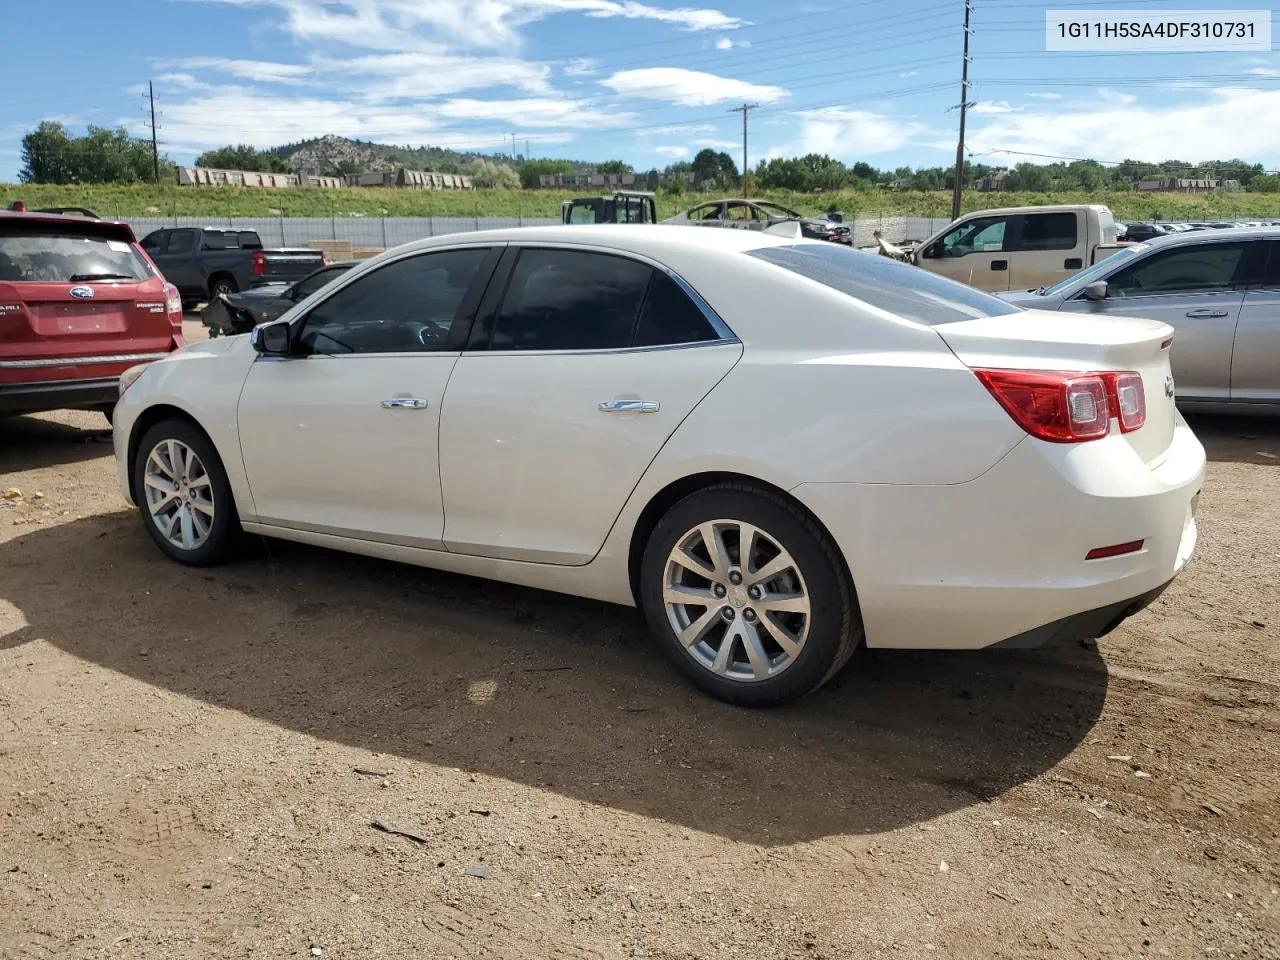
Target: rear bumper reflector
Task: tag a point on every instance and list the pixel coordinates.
(1115, 550)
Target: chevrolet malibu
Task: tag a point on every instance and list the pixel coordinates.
(778, 449)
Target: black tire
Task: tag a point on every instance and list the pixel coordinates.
(224, 531)
(834, 625)
(221, 284)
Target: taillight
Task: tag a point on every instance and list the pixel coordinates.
(1054, 405)
(259, 263)
(1129, 398)
(173, 304)
(324, 259)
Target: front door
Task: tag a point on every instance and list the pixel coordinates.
(342, 437)
(1198, 290)
(973, 252)
(590, 362)
(1255, 360)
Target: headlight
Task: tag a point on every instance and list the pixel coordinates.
(130, 376)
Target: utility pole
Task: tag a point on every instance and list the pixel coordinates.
(155, 146)
(744, 110)
(958, 180)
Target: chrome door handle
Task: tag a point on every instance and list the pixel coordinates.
(1205, 314)
(406, 403)
(629, 406)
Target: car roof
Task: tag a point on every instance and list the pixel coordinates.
(101, 228)
(1201, 236)
(647, 239)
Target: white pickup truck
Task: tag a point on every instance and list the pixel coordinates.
(1020, 247)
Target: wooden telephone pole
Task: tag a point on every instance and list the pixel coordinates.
(744, 109)
(155, 145)
(957, 184)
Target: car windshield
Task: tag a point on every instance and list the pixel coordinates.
(897, 288)
(775, 210)
(48, 254)
(1090, 273)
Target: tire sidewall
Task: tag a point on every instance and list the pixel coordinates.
(824, 578)
(220, 286)
(226, 523)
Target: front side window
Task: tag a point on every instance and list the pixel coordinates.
(311, 284)
(981, 235)
(899, 288)
(409, 306)
(570, 300)
(708, 211)
(1048, 231)
(153, 242)
(43, 253)
(181, 241)
(1204, 267)
(741, 211)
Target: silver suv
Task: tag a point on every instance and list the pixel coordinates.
(1218, 289)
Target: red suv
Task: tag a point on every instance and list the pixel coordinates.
(79, 303)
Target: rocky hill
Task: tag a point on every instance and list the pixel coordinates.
(329, 153)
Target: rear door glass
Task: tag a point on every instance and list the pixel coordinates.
(1048, 231)
(215, 240)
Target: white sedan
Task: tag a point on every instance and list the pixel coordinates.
(778, 449)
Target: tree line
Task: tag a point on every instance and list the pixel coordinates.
(50, 154)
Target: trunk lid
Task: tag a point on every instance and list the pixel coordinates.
(1045, 340)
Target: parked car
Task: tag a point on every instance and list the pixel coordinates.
(1218, 289)
(903, 462)
(1019, 247)
(79, 302)
(758, 215)
(240, 312)
(205, 263)
(1139, 232)
(622, 206)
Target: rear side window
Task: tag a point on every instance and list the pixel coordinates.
(153, 242)
(570, 300)
(670, 317)
(1048, 231)
(898, 288)
(216, 240)
(43, 253)
(1209, 266)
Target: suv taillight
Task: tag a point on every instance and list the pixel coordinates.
(1067, 406)
(259, 263)
(173, 305)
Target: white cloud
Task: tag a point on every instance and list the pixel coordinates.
(992, 106)
(1046, 96)
(1264, 72)
(423, 74)
(851, 134)
(548, 112)
(672, 151)
(677, 129)
(728, 43)
(689, 88)
(910, 73)
(262, 71)
(1114, 96)
(721, 144)
(180, 81)
(1225, 121)
(581, 67)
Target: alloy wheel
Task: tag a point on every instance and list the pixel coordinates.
(736, 600)
(179, 494)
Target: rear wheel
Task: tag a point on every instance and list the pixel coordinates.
(748, 596)
(221, 286)
(181, 490)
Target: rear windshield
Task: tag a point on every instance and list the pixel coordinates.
(899, 288)
(49, 254)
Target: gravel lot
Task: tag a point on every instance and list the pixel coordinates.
(192, 762)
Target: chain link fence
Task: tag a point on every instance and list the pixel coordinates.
(386, 232)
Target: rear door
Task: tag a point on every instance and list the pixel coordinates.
(178, 261)
(973, 252)
(1046, 248)
(1198, 290)
(1255, 359)
(582, 369)
(72, 295)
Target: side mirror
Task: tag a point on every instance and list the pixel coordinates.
(271, 339)
(931, 252)
(1096, 290)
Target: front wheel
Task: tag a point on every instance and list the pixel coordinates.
(748, 596)
(181, 490)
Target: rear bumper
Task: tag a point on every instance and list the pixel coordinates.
(1083, 626)
(59, 395)
(1001, 558)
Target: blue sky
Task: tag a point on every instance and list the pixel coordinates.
(646, 81)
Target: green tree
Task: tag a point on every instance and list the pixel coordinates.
(530, 170)
(243, 157)
(782, 174)
(1028, 176)
(1265, 183)
(614, 166)
(47, 155)
(489, 174)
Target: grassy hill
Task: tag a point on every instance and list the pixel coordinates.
(111, 200)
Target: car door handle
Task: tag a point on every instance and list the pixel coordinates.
(1072, 263)
(999, 264)
(404, 403)
(1205, 314)
(629, 406)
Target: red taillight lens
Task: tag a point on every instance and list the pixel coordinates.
(173, 304)
(259, 263)
(1054, 405)
(1129, 399)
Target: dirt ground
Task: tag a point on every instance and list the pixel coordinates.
(192, 763)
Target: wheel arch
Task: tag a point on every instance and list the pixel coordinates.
(677, 490)
(147, 419)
